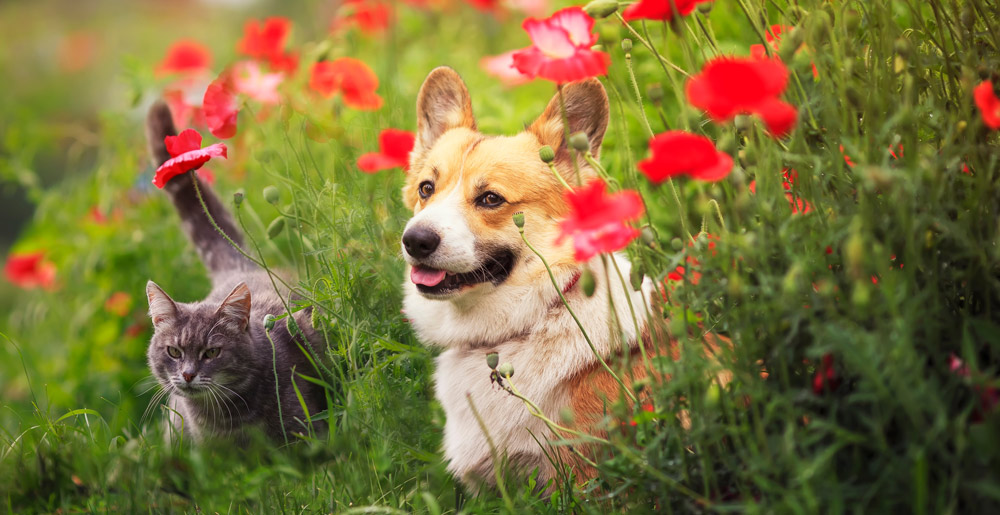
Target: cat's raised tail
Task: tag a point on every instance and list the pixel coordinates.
(216, 252)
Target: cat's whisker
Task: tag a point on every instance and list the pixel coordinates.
(240, 397)
(215, 391)
(155, 401)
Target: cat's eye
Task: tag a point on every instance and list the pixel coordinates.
(174, 352)
(210, 353)
(490, 200)
(425, 189)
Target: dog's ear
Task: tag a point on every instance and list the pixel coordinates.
(443, 103)
(586, 111)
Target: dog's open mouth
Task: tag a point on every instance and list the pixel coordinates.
(433, 281)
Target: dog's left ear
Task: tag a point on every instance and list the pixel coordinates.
(586, 111)
(442, 104)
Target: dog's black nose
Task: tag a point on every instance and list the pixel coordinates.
(420, 242)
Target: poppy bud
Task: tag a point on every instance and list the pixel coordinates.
(492, 360)
(314, 319)
(627, 45)
(677, 244)
(742, 123)
(818, 27)
(635, 276)
(519, 219)
(655, 92)
(727, 144)
(274, 229)
(648, 235)
(601, 8)
(506, 370)
(546, 154)
(705, 7)
(790, 44)
(238, 198)
(268, 322)
(588, 283)
(272, 195)
(579, 142)
(748, 157)
(597, 48)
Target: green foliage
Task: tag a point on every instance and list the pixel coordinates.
(842, 320)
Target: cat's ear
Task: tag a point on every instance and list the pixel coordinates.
(236, 307)
(162, 309)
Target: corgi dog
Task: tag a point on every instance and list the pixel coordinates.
(474, 287)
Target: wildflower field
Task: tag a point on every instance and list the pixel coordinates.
(816, 180)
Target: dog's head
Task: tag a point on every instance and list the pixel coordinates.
(464, 187)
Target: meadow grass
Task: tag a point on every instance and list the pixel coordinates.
(892, 272)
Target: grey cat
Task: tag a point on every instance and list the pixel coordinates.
(213, 357)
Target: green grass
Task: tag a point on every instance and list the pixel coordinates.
(899, 432)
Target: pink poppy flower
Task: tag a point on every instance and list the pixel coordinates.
(682, 153)
(248, 80)
(597, 221)
(220, 107)
(186, 154)
(28, 270)
(728, 86)
(394, 152)
(560, 49)
(988, 103)
(502, 67)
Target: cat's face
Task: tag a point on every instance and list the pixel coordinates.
(201, 351)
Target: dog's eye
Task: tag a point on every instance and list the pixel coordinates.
(489, 199)
(210, 353)
(174, 352)
(426, 189)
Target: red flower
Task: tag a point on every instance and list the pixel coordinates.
(560, 49)
(264, 40)
(596, 220)
(682, 153)
(184, 114)
(119, 303)
(989, 396)
(678, 274)
(250, 81)
(30, 270)
(986, 100)
(394, 152)
(187, 154)
(185, 56)
(660, 9)
(351, 77)
(207, 176)
(826, 376)
(728, 86)
(372, 17)
(502, 67)
(773, 36)
(220, 107)
(287, 62)
(788, 179)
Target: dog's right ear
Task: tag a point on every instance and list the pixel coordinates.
(159, 125)
(443, 103)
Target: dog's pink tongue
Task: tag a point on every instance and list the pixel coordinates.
(426, 276)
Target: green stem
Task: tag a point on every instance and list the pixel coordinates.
(277, 388)
(638, 96)
(635, 318)
(645, 43)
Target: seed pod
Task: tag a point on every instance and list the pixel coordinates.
(705, 7)
(506, 370)
(648, 235)
(627, 45)
(268, 322)
(492, 360)
(601, 8)
(519, 219)
(587, 282)
(277, 225)
(546, 154)
(677, 244)
(238, 198)
(579, 142)
(272, 195)
(655, 92)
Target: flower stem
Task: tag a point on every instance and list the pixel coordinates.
(277, 388)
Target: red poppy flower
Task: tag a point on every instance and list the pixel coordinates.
(660, 9)
(394, 152)
(560, 49)
(728, 86)
(184, 114)
(351, 78)
(30, 270)
(186, 154)
(502, 67)
(220, 107)
(372, 17)
(596, 220)
(287, 62)
(773, 36)
(989, 105)
(826, 376)
(119, 303)
(207, 176)
(485, 5)
(682, 153)
(788, 179)
(185, 56)
(264, 40)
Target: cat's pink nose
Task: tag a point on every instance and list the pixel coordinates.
(188, 376)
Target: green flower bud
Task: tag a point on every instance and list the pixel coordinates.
(705, 7)
(627, 45)
(743, 123)
(601, 8)
(727, 144)
(238, 198)
(655, 92)
(547, 154)
(597, 48)
(648, 235)
(492, 360)
(519, 219)
(277, 225)
(677, 244)
(790, 44)
(268, 322)
(272, 195)
(635, 276)
(588, 283)
(579, 142)
(506, 370)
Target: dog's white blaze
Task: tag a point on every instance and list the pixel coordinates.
(457, 250)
